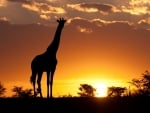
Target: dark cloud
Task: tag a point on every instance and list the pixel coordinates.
(21, 1)
(100, 7)
(103, 9)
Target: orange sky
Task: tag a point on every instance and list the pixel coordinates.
(102, 42)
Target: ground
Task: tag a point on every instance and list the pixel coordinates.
(75, 105)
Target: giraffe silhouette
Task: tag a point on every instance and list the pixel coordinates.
(46, 62)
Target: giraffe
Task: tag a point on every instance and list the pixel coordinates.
(46, 62)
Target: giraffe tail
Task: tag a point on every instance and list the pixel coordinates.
(32, 79)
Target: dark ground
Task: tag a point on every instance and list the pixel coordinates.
(76, 105)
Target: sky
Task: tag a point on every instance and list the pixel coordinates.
(103, 41)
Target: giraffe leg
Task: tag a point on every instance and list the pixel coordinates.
(34, 89)
(51, 82)
(51, 86)
(32, 80)
(39, 84)
(48, 82)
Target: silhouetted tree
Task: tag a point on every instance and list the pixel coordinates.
(22, 93)
(2, 90)
(142, 84)
(86, 90)
(116, 91)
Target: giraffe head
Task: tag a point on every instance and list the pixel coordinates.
(61, 21)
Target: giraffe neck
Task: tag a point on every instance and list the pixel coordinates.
(53, 47)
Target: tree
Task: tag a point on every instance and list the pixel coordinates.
(86, 90)
(142, 84)
(116, 91)
(2, 89)
(22, 93)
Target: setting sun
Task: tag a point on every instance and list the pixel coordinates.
(101, 90)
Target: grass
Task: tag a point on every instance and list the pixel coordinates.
(75, 105)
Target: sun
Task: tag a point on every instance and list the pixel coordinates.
(101, 89)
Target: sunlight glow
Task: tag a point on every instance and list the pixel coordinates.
(101, 89)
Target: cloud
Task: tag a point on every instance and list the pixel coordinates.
(80, 25)
(21, 1)
(87, 26)
(144, 23)
(96, 21)
(84, 29)
(46, 17)
(4, 21)
(147, 20)
(102, 12)
(75, 18)
(43, 8)
(93, 8)
(137, 7)
(3, 3)
(100, 22)
(100, 7)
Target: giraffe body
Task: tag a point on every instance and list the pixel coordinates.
(46, 62)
